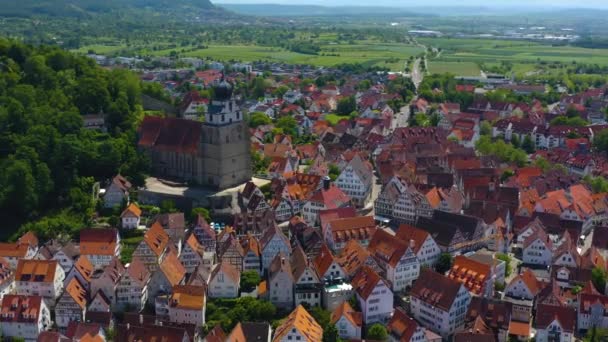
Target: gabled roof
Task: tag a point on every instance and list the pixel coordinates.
(188, 297)
(331, 198)
(77, 292)
(172, 268)
(497, 314)
(29, 239)
(216, 335)
(13, 249)
(545, 314)
(20, 309)
(352, 257)
(530, 280)
(156, 238)
(84, 267)
(408, 234)
(323, 260)
(98, 241)
(250, 332)
(435, 289)
(193, 243)
(170, 134)
(358, 228)
(228, 270)
(137, 270)
(472, 274)
(40, 271)
(345, 310)
(300, 262)
(365, 280)
(401, 326)
(387, 247)
(303, 322)
(131, 210)
(78, 330)
(280, 263)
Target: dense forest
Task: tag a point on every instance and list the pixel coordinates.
(49, 162)
(85, 8)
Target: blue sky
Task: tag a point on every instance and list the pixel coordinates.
(548, 4)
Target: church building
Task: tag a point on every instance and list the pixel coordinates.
(213, 153)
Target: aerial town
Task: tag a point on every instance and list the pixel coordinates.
(324, 205)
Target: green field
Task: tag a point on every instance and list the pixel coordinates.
(368, 53)
(456, 68)
(495, 51)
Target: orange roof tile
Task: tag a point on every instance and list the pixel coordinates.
(365, 281)
(356, 318)
(387, 247)
(472, 274)
(77, 291)
(13, 250)
(131, 210)
(84, 267)
(352, 256)
(29, 238)
(188, 297)
(156, 238)
(323, 260)
(528, 278)
(173, 268)
(36, 270)
(407, 234)
(303, 322)
(96, 241)
(228, 270)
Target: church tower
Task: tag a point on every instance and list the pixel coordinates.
(225, 156)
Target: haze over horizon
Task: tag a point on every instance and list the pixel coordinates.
(537, 4)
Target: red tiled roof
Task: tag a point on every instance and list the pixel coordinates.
(20, 309)
(472, 274)
(365, 280)
(435, 289)
(170, 134)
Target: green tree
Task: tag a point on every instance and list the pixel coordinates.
(347, 105)
(528, 145)
(330, 334)
(598, 277)
(167, 206)
(257, 119)
(334, 172)
(485, 128)
(204, 212)
(444, 263)
(249, 280)
(288, 125)
(377, 332)
(600, 141)
(507, 259)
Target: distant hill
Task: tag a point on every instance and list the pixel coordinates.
(84, 8)
(277, 10)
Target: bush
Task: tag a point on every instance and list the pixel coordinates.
(250, 280)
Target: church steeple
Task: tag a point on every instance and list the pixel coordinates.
(223, 109)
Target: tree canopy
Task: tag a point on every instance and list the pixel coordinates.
(49, 161)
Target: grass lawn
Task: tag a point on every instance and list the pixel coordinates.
(456, 68)
(333, 119)
(369, 53)
(128, 246)
(495, 51)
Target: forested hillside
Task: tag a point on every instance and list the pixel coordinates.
(84, 8)
(49, 162)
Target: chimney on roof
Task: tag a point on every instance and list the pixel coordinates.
(412, 244)
(326, 182)
(492, 186)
